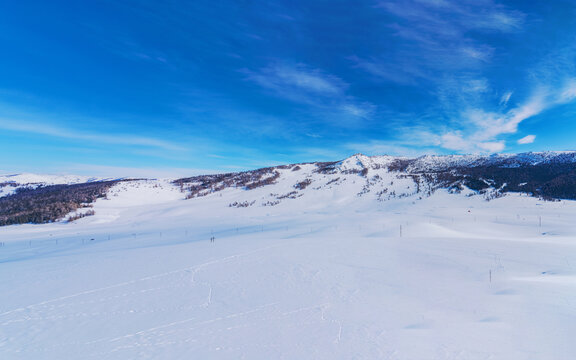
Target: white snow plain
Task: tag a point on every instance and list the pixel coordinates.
(333, 277)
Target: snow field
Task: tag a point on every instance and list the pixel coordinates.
(330, 279)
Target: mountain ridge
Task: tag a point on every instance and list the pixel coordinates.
(358, 178)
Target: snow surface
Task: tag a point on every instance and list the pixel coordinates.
(329, 275)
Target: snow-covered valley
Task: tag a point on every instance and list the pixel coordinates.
(330, 271)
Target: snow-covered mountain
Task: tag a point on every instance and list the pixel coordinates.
(549, 174)
(359, 178)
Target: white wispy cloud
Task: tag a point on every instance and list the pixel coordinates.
(568, 91)
(293, 81)
(505, 98)
(93, 137)
(528, 139)
(438, 38)
(456, 141)
(484, 130)
(361, 110)
(482, 53)
(491, 124)
(327, 94)
(451, 17)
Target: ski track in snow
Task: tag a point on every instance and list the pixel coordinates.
(195, 269)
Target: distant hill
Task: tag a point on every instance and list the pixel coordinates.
(29, 198)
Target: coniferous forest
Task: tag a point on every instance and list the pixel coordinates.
(46, 204)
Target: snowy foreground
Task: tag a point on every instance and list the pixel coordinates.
(445, 277)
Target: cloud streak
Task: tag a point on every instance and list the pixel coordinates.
(484, 129)
(528, 139)
(287, 79)
(297, 83)
(325, 93)
(59, 132)
(434, 37)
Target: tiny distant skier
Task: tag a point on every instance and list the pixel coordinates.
(212, 239)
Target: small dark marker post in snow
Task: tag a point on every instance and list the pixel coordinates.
(539, 221)
(400, 230)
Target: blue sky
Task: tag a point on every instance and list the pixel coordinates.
(182, 87)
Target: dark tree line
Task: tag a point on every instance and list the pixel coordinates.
(548, 181)
(206, 184)
(46, 204)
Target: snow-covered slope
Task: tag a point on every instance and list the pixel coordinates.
(365, 258)
(325, 275)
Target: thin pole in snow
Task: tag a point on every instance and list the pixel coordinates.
(400, 230)
(490, 272)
